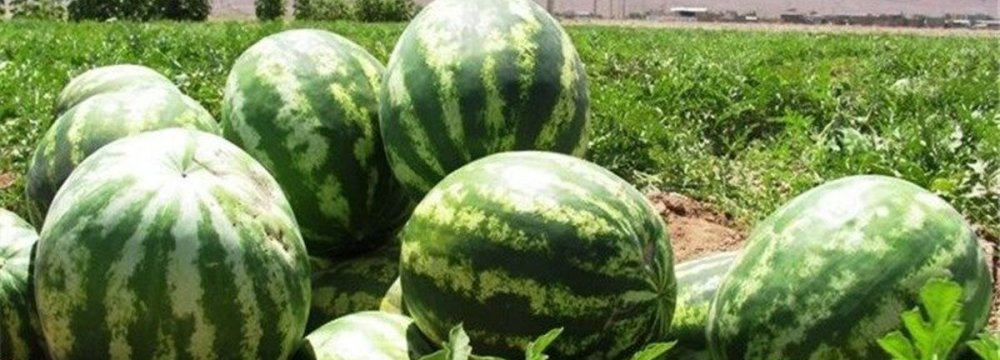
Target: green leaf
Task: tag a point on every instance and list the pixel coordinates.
(654, 351)
(935, 337)
(898, 346)
(536, 349)
(987, 346)
(942, 300)
(456, 348)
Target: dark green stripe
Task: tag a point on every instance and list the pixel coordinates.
(536, 108)
(472, 95)
(105, 245)
(220, 291)
(568, 139)
(149, 282)
(423, 84)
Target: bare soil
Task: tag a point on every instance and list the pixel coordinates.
(697, 229)
(6, 180)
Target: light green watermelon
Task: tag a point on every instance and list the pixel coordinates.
(108, 79)
(697, 282)
(471, 78)
(516, 244)
(832, 271)
(20, 334)
(392, 302)
(345, 286)
(171, 244)
(369, 335)
(98, 121)
(305, 104)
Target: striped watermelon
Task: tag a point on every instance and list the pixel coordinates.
(368, 335)
(99, 120)
(471, 78)
(108, 79)
(516, 244)
(392, 302)
(171, 244)
(304, 103)
(697, 281)
(347, 286)
(20, 334)
(831, 271)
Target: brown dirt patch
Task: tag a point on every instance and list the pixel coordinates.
(6, 180)
(696, 228)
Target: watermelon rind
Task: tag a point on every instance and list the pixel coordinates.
(517, 244)
(831, 271)
(171, 244)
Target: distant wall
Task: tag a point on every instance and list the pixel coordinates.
(763, 8)
(240, 8)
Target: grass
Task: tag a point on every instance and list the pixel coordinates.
(745, 120)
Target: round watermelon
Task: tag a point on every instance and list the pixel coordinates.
(516, 244)
(831, 272)
(472, 78)
(109, 79)
(368, 335)
(304, 103)
(20, 334)
(99, 120)
(171, 244)
(697, 282)
(346, 286)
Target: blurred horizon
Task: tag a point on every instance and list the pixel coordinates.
(763, 8)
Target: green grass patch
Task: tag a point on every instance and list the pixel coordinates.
(745, 120)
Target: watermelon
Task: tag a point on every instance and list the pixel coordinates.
(832, 271)
(697, 281)
(99, 120)
(304, 103)
(472, 78)
(20, 334)
(108, 79)
(516, 244)
(369, 335)
(392, 302)
(171, 244)
(346, 286)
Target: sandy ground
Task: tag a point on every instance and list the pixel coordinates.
(772, 27)
(698, 229)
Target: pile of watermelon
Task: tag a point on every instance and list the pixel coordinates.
(342, 209)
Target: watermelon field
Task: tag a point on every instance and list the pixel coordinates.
(341, 190)
(744, 120)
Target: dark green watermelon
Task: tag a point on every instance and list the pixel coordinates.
(471, 78)
(516, 244)
(831, 271)
(305, 104)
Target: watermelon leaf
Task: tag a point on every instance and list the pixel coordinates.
(898, 346)
(536, 349)
(987, 346)
(654, 351)
(934, 337)
(456, 348)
